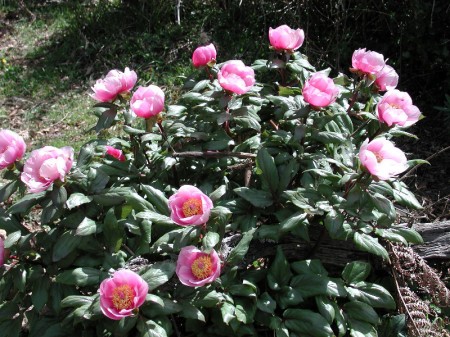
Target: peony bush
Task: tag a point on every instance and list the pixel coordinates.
(208, 216)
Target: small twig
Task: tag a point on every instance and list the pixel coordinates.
(212, 154)
(408, 173)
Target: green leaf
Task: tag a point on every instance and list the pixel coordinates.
(362, 329)
(24, 205)
(76, 301)
(372, 294)
(112, 231)
(155, 217)
(307, 322)
(190, 311)
(12, 327)
(309, 285)
(58, 195)
(209, 241)
(266, 303)
(12, 239)
(158, 274)
(369, 244)
(334, 223)
(227, 309)
(245, 310)
(106, 119)
(157, 199)
(65, 244)
(279, 272)
(404, 196)
(296, 220)
(39, 295)
(8, 189)
(77, 199)
(356, 271)
(288, 297)
(238, 252)
(257, 198)
(384, 205)
(326, 308)
(361, 311)
(267, 168)
(313, 267)
(327, 137)
(86, 227)
(409, 234)
(393, 326)
(84, 276)
(150, 329)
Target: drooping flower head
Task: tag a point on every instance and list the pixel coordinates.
(114, 83)
(46, 165)
(204, 55)
(189, 206)
(122, 294)
(367, 62)
(234, 76)
(396, 108)
(116, 153)
(286, 38)
(382, 159)
(12, 148)
(196, 268)
(386, 78)
(147, 101)
(320, 90)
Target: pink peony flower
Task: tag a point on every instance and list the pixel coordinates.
(386, 78)
(204, 55)
(190, 206)
(12, 148)
(123, 294)
(382, 159)
(147, 101)
(367, 62)
(115, 83)
(234, 76)
(320, 90)
(396, 108)
(285, 38)
(196, 268)
(116, 153)
(46, 165)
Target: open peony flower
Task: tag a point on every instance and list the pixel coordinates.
(190, 206)
(116, 153)
(46, 165)
(367, 62)
(12, 148)
(148, 101)
(386, 78)
(382, 159)
(114, 83)
(204, 55)
(320, 90)
(196, 268)
(396, 108)
(234, 76)
(122, 295)
(286, 38)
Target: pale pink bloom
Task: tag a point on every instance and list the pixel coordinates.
(12, 148)
(382, 159)
(190, 206)
(116, 153)
(396, 108)
(367, 62)
(320, 90)
(46, 165)
(147, 101)
(196, 268)
(122, 295)
(286, 38)
(234, 76)
(114, 83)
(386, 78)
(204, 55)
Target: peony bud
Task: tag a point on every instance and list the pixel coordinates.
(204, 55)
(12, 148)
(320, 90)
(234, 76)
(285, 38)
(386, 78)
(148, 101)
(396, 108)
(367, 62)
(115, 83)
(116, 153)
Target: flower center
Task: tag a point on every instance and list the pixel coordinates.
(122, 297)
(202, 267)
(379, 157)
(192, 207)
(394, 106)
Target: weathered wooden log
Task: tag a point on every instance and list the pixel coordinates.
(337, 253)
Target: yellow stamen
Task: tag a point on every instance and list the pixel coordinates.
(379, 157)
(202, 267)
(123, 297)
(192, 207)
